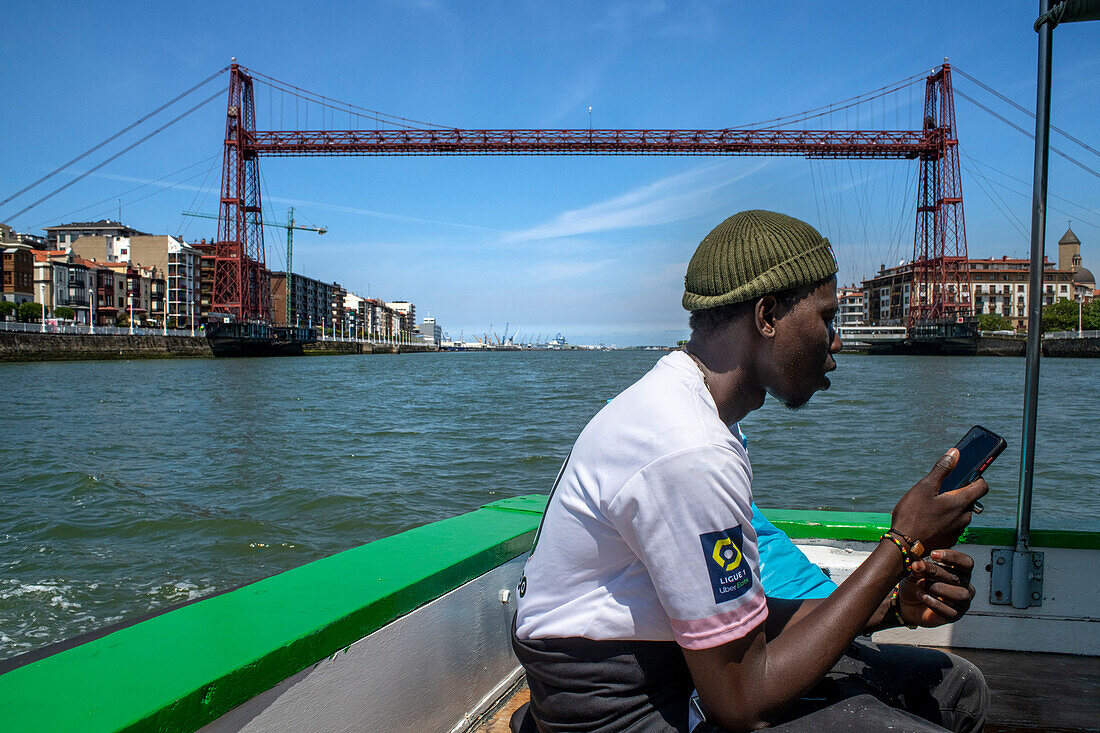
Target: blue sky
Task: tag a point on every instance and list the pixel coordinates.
(592, 247)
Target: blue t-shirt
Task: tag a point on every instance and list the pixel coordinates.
(784, 570)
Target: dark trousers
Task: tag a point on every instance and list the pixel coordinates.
(903, 689)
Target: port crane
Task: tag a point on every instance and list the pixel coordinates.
(290, 226)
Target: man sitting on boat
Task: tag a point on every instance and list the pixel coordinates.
(645, 578)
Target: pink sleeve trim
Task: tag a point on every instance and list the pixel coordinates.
(712, 631)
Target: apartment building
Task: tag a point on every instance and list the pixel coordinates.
(851, 311)
(178, 263)
(337, 317)
(1001, 287)
(382, 321)
(886, 296)
(310, 300)
(63, 280)
(431, 332)
(107, 308)
(17, 264)
(10, 236)
(63, 235)
(355, 315)
(997, 285)
(408, 314)
(137, 293)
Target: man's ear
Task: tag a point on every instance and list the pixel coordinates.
(765, 313)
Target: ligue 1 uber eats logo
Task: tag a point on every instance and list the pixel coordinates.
(730, 576)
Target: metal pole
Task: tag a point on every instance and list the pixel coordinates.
(42, 317)
(1034, 305)
(289, 285)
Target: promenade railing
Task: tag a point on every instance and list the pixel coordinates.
(1072, 334)
(85, 330)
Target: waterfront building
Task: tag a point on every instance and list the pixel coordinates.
(63, 280)
(337, 317)
(206, 275)
(1069, 258)
(886, 296)
(355, 314)
(382, 321)
(106, 307)
(138, 293)
(408, 315)
(851, 310)
(310, 300)
(10, 236)
(17, 263)
(176, 261)
(999, 286)
(431, 332)
(62, 235)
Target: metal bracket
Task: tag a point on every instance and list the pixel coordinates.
(1016, 578)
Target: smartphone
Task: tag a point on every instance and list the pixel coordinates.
(977, 449)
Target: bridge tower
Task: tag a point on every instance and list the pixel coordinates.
(941, 277)
(240, 285)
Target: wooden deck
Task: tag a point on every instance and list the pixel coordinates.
(1053, 693)
(496, 719)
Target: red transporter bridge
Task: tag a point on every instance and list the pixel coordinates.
(940, 292)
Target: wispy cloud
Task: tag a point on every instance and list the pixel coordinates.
(304, 202)
(674, 198)
(567, 270)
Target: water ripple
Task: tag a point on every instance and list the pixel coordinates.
(132, 485)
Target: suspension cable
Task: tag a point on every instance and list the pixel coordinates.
(137, 188)
(1031, 135)
(1026, 111)
(843, 104)
(117, 135)
(338, 105)
(120, 153)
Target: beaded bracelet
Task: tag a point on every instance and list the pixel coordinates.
(906, 560)
(916, 547)
(896, 608)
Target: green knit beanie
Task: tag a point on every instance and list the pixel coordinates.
(755, 253)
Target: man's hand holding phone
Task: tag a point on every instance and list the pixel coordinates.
(937, 519)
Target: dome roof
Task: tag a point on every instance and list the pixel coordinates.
(1084, 275)
(1069, 238)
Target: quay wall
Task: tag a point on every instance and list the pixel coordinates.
(1001, 346)
(27, 346)
(327, 348)
(331, 348)
(31, 346)
(1082, 347)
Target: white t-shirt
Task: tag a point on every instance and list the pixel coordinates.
(647, 534)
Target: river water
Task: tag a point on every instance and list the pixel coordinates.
(126, 486)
